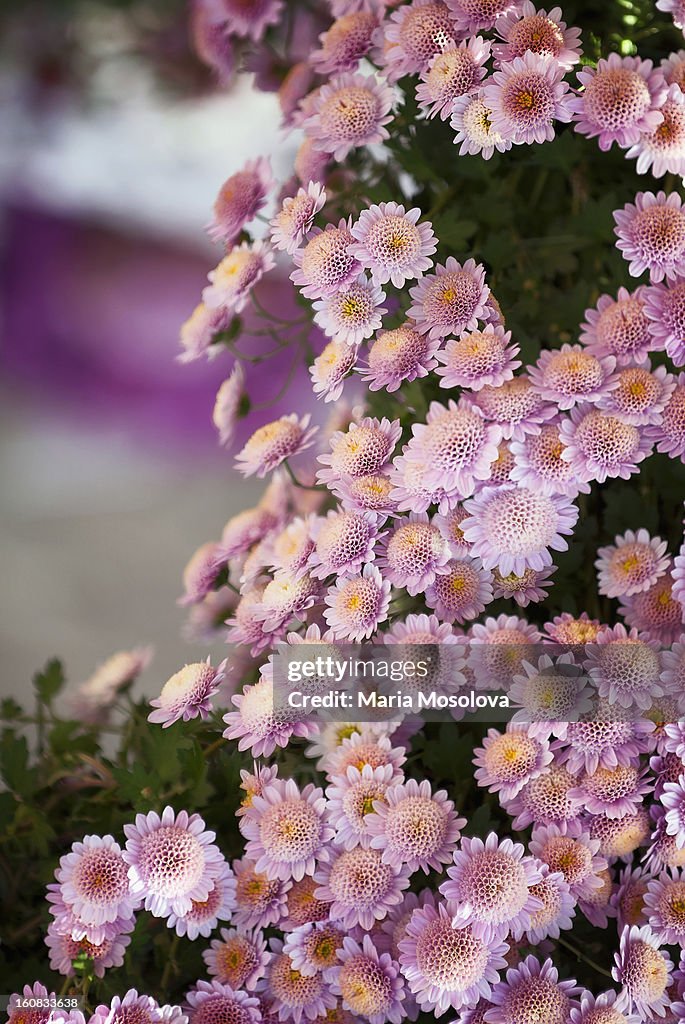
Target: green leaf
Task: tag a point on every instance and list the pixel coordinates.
(50, 681)
(14, 763)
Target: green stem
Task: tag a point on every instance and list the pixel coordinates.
(298, 483)
(581, 956)
(169, 966)
(208, 751)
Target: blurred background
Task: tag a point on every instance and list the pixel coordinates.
(114, 140)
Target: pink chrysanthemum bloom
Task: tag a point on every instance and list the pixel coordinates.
(344, 542)
(651, 235)
(489, 886)
(368, 493)
(391, 243)
(259, 724)
(545, 799)
(453, 72)
(513, 528)
(656, 613)
(204, 915)
(273, 443)
(227, 406)
(413, 35)
(313, 948)
(570, 375)
(508, 761)
(287, 596)
(253, 784)
(599, 446)
(539, 464)
(360, 888)
(614, 792)
(570, 850)
(629, 898)
(597, 743)
(515, 406)
(528, 30)
(526, 96)
(360, 748)
(351, 798)
(455, 446)
(624, 667)
(478, 358)
(32, 1006)
(663, 850)
(556, 911)
(394, 928)
(532, 989)
(669, 766)
(188, 693)
(665, 310)
(447, 966)
(550, 693)
(573, 631)
(663, 149)
(94, 886)
(350, 110)
(619, 101)
(619, 837)
(172, 861)
(345, 43)
(131, 1009)
(643, 970)
(331, 368)
(234, 278)
(210, 1001)
(673, 800)
(369, 983)
(673, 677)
(286, 830)
(250, 18)
(414, 828)
(526, 588)
(237, 958)
(240, 199)
(324, 265)
(619, 327)
(411, 491)
(501, 468)
(259, 901)
(640, 394)
(295, 219)
(363, 448)
(290, 548)
(461, 591)
(422, 630)
(633, 563)
(357, 606)
(474, 15)
(63, 950)
(198, 331)
(605, 1009)
(353, 315)
(449, 525)
(403, 354)
(474, 1014)
(673, 68)
(471, 118)
(413, 553)
(451, 300)
(676, 9)
(669, 435)
(92, 699)
(665, 903)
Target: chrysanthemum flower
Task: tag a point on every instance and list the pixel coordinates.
(501, 469)
(93, 883)
(550, 693)
(556, 911)
(294, 996)
(569, 849)
(629, 897)
(614, 792)
(673, 799)
(449, 525)
(473, 15)
(210, 1001)
(313, 948)
(513, 528)
(360, 887)
(599, 446)
(640, 394)
(286, 597)
(331, 368)
(294, 220)
(392, 244)
(259, 901)
(570, 375)
(597, 907)
(651, 235)
(676, 9)
(324, 265)
(619, 837)
(597, 743)
(530, 586)
(447, 966)
(643, 970)
(344, 541)
(509, 760)
(624, 667)
(605, 1009)
(526, 96)
(515, 406)
(633, 563)
(351, 796)
(619, 101)
(669, 434)
(573, 631)
(656, 613)
(227, 406)
(663, 149)
(364, 448)
(273, 443)
(490, 886)
(368, 493)
(461, 591)
(240, 199)
(301, 905)
(451, 300)
(369, 983)
(530, 990)
(188, 693)
(539, 464)
(619, 327)
(237, 958)
(131, 1009)
(250, 18)
(665, 310)
(478, 358)
(527, 29)
(236, 275)
(673, 68)
(345, 43)
(357, 606)
(95, 696)
(414, 33)
(350, 110)
(545, 799)
(663, 851)
(665, 907)
(198, 331)
(414, 828)
(471, 119)
(63, 950)
(453, 72)
(204, 915)
(259, 723)
(474, 1014)
(353, 315)
(286, 830)
(403, 354)
(413, 553)
(18, 1012)
(359, 748)
(289, 549)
